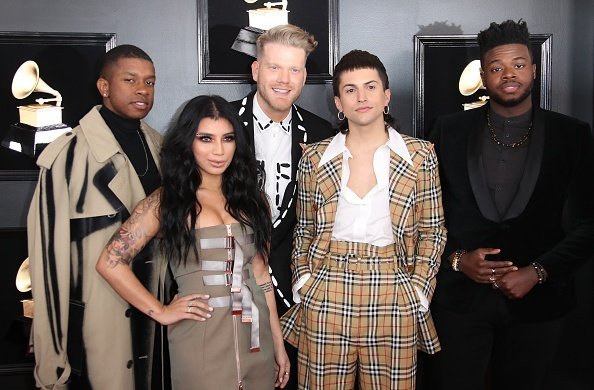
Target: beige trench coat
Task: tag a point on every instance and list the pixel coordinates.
(87, 187)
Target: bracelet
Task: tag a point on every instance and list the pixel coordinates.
(456, 259)
(540, 272)
(266, 287)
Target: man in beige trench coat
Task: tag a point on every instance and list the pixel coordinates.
(90, 179)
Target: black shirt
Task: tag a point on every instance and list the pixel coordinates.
(503, 165)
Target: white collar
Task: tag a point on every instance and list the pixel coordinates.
(264, 121)
(338, 146)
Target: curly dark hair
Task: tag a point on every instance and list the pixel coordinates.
(181, 179)
(504, 33)
(360, 59)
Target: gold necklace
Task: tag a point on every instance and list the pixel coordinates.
(499, 142)
(145, 154)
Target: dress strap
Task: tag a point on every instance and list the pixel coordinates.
(241, 298)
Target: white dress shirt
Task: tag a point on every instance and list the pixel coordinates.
(272, 144)
(366, 220)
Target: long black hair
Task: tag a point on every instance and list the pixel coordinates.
(181, 178)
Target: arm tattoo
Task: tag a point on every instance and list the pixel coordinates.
(129, 240)
(266, 287)
(123, 246)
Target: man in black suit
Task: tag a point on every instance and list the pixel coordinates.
(518, 200)
(277, 129)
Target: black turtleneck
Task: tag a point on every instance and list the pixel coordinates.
(130, 137)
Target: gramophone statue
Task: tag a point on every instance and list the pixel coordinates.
(470, 82)
(39, 123)
(260, 20)
(23, 284)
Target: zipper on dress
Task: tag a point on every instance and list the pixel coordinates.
(237, 362)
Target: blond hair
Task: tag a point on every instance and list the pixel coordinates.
(288, 35)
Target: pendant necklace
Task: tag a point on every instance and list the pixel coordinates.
(145, 154)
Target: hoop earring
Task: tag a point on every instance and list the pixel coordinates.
(386, 110)
(338, 115)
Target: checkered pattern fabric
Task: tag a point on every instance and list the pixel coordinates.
(358, 312)
(417, 225)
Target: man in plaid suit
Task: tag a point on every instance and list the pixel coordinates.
(367, 244)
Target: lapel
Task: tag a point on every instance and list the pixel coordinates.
(125, 184)
(329, 182)
(126, 188)
(298, 137)
(246, 116)
(402, 182)
(477, 175)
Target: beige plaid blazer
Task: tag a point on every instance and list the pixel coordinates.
(415, 206)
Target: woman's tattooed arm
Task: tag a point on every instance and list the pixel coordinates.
(132, 236)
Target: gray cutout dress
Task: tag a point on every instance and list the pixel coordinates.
(204, 353)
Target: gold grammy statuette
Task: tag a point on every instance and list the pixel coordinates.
(23, 284)
(470, 82)
(260, 20)
(39, 123)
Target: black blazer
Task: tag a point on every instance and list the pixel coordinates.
(551, 219)
(306, 128)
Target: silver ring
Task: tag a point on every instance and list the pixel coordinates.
(492, 271)
(492, 279)
(495, 285)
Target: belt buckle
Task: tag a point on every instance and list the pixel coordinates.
(229, 266)
(229, 242)
(229, 272)
(228, 278)
(352, 262)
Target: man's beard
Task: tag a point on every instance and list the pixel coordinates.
(512, 102)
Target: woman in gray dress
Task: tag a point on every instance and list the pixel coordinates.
(213, 227)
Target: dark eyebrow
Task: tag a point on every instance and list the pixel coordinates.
(130, 73)
(513, 59)
(365, 83)
(211, 134)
